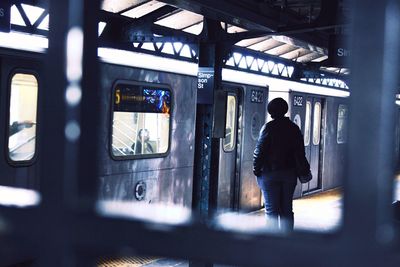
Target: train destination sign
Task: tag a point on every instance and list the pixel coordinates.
(136, 98)
(5, 24)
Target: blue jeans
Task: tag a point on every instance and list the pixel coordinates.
(278, 198)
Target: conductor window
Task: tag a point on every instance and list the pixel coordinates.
(307, 129)
(317, 123)
(141, 121)
(22, 119)
(342, 124)
(230, 130)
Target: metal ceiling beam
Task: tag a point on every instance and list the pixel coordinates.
(143, 29)
(39, 3)
(125, 29)
(157, 33)
(224, 10)
(268, 19)
(304, 70)
(29, 30)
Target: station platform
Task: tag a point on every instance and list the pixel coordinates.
(320, 212)
(317, 212)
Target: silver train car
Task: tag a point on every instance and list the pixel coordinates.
(148, 133)
(164, 173)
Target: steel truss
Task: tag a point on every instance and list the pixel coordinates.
(169, 43)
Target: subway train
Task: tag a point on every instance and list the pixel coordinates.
(148, 129)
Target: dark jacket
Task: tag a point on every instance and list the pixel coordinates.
(278, 145)
(148, 149)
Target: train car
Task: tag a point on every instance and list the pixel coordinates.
(161, 172)
(148, 132)
(20, 81)
(162, 105)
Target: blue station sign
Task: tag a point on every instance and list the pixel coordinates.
(339, 52)
(205, 85)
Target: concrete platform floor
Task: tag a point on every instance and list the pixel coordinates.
(321, 212)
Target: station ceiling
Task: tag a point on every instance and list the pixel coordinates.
(297, 30)
(294, 30)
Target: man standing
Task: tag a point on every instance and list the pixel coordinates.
(279, 144)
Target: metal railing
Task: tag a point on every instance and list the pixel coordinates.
(27, 141)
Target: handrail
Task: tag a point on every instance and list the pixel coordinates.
(29, 156)
(124, 134)
(126, 125)
(22, 144)
(120, 151)
(137, 129)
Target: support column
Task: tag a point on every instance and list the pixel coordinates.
(368, 185)
(207, 143)
(209, 128)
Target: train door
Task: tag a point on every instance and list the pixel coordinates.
(19, 82)
(312, 139)
(306, 112)
(227, 173)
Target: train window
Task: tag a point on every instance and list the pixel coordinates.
(307, 129)
(317, 123)
(341, 124)
(229, 140)
(141, 121)
(22, 117)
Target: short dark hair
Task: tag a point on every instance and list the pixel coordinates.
(277, 107)
(143, 131)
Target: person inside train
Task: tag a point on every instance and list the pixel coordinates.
(142, 145)
(279, 144)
